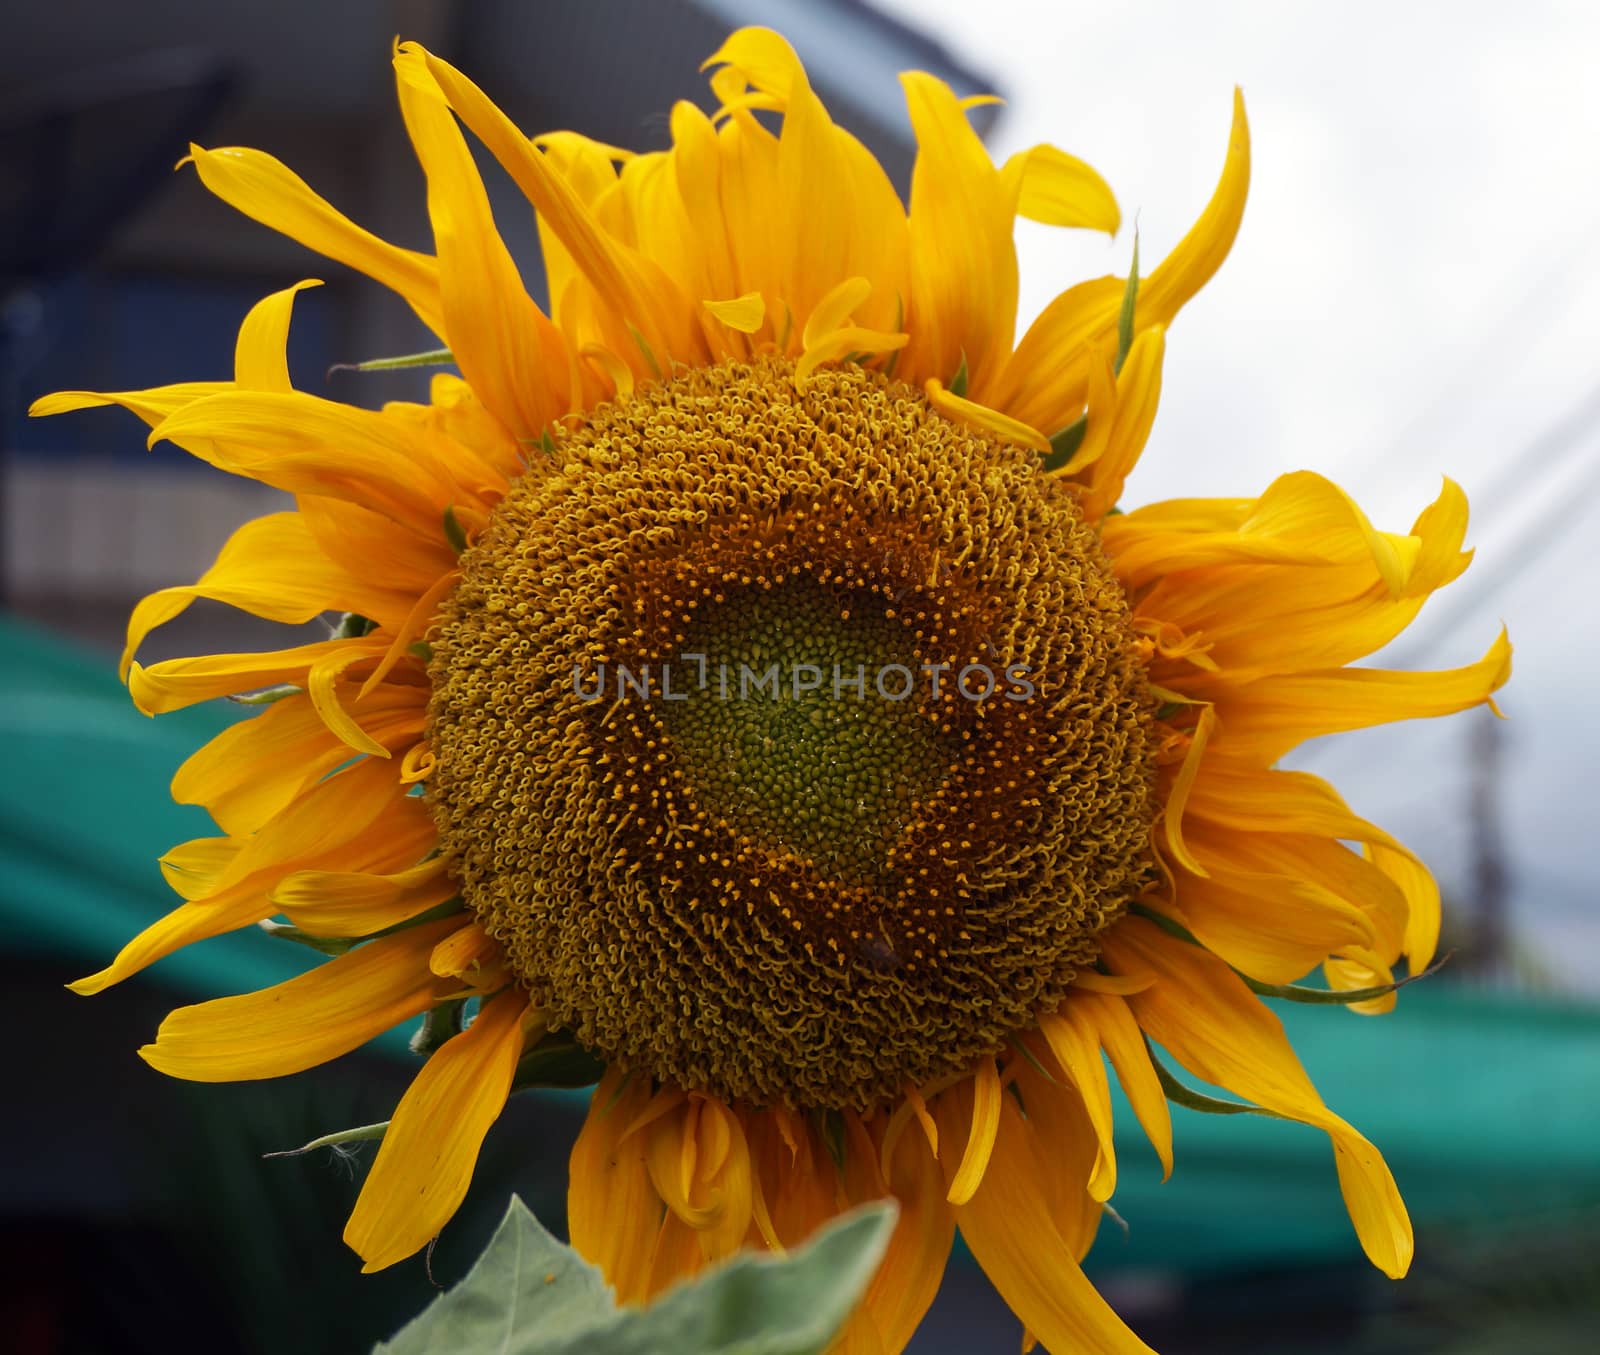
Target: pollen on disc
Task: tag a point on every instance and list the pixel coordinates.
(799, 892)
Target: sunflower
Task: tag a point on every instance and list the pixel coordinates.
(968, 783)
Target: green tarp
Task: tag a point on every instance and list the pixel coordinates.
(1485, 1104)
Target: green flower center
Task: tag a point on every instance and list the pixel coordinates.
(811, 735)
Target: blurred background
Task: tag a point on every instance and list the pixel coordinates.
(1411, 296)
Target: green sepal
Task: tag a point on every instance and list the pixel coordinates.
(327, 945)
(557, 1061)
(454, 533)
(1290, 992)
(1168, 709)
(1181, 1095)
(338, 945)
(420, 649)
(649, 355)
(439, 1024)
(1171, 926)
(361, 1134)
(352, 626)
(1033, 1059)
(899, 327)
(267, 695)
(958, 383)
(434, 357)
(547, 444)
(832, 1124)
(528, 1294)
(1064, 445)
(1130, 297)
(1335, 997)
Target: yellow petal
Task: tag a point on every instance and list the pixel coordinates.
(260, 361)
(699, 1164)
(351, 820)
(193, 868)
(1061, 190)
(963, 300)
(1243, 796)
(1361, 969)
(425, 1161)
(356, 903)
(1075, 1044)
(1138, 394)
(306, 445)
(841, 343)
(986, 1098)
(820, 175)
(153, 405)
(1225, 911)
(1421, 893)
(464, 953)
(636, 294)
(254, 768)
(1066, 1149)
(1302, 519)
(1008, 1225)
(1044, 382)
(1201, 1011)
(1267, 718)
(269, 192)
(322, 686)
(744, 313)
(1200, 253)
(505, 346)
(306, 1020)
(906, 1281)
(1119, 1036)
(970, 412)
(833, 311)
(612, 1209)
(270, 567)
(1182, 788)
(176, 683)
(365, 543)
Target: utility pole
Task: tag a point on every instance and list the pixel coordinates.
(1490, 955)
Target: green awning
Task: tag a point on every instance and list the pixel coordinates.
(1484, 1103)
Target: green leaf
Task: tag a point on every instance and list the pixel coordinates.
(1130, 297)
(530, 1295)
(526, 1292)
(755, 1305)
(454, 533)
(1064, 445)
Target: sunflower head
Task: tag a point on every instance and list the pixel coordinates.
(756, 688)
(903, 783)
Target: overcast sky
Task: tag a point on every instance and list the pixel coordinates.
(1413, 294)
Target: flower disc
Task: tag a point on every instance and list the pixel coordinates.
(792, 739)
